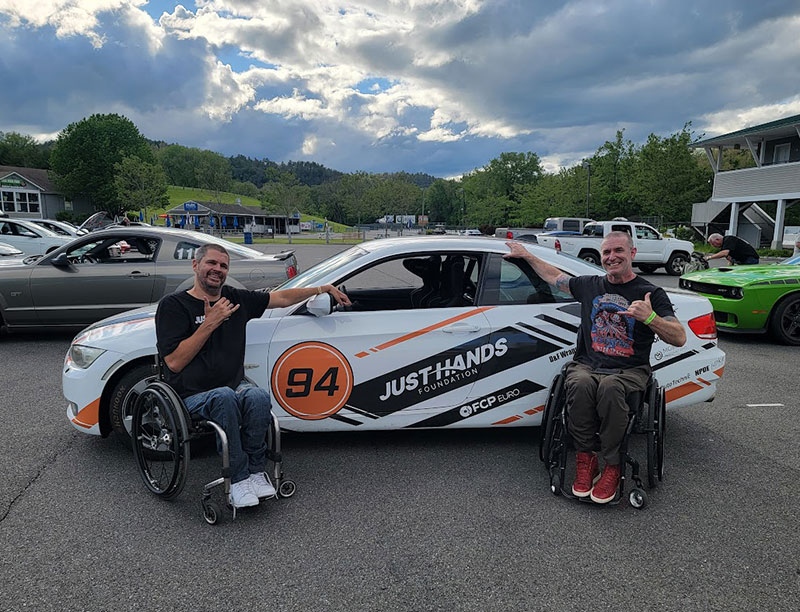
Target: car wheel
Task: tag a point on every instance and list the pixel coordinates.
(591, 257)
(785, 321)
(647, 268)
(675, 263)
(123, 397)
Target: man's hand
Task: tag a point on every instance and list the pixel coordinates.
(220, 312)
(340, 297)
(640, 309)
(517, 250)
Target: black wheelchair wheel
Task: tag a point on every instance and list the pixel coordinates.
(160, 443)
(551, 414)
(654, 428)
(662, 431)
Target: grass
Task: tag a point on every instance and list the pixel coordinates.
(240, 240)
(179, 195)
(704, 247)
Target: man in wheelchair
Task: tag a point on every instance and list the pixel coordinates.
(201, 341)
(620, 315)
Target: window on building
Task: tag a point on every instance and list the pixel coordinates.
(781, 153)
(33, 202)
(8, 201)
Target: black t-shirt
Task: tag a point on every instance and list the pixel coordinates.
(606, 338)
(738, 249)
(220, 363)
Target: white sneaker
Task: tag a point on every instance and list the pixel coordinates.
(260, 485)
(242, 494)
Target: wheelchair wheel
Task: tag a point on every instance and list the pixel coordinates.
(287, 488)
(160, 443)
(211, 513)
(656, 416)
(637, 498)
(552, 414)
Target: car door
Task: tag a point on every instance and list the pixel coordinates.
(25, 239)
(105, 275)
(408, 352)
(538, 325)
(649, 245)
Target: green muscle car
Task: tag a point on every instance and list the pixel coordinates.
(753, 298)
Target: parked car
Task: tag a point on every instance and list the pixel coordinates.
(753, 298)
(113, 270)
(443, 332)
(28, 237)
(652, 249)
(62, 228)
(6, 250)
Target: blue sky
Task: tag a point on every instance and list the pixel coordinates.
(436, 86)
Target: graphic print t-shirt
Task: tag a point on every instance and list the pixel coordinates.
(607, 338)
(220, 362)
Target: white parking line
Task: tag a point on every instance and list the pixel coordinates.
(763, 405)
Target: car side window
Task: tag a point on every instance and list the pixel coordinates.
(421, 281)
(185, 250)
(116, 249)
(645, 233)
(16, 229)
(571, 225)
(511, 282)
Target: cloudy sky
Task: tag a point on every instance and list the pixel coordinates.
(437, 86)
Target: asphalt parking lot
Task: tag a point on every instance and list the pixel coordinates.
(412, 520)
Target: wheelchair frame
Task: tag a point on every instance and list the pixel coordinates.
(161, 431)
(648, 417)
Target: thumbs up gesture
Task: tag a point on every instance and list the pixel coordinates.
(640, 309)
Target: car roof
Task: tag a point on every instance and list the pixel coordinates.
(447, 242)
(32, 226)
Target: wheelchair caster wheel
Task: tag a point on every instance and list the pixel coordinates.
(287, 488)
(638, 498)
(555, 484)
(210, 513)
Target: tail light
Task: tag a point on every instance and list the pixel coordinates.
(704, 327)
(510, 235)
(558, 244)
(291, 271)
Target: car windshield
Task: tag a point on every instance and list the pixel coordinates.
(794, 260)
(550, 224)
(312, 276)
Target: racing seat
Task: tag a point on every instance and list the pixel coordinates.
(428, 270)
(451, 290)
(646, 415)
(161, 431)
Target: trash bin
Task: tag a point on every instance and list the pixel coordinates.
(248, 237)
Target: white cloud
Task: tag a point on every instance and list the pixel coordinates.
(727, 121)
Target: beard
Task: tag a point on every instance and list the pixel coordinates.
(211, 289)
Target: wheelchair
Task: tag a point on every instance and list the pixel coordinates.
(646, 415)
(161, 431)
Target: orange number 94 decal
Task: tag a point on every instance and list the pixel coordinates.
(312, 380)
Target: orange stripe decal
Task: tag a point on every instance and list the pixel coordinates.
(533, 411)
(719, 372)
(705, 382)
(430, 328)
(89, 415)
(683, 390)
(362, 354)
(510, 419)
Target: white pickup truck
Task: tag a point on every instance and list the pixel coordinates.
(652, 249)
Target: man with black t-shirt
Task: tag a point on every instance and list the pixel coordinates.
(201, 340)
(737, 251)
(620, 315)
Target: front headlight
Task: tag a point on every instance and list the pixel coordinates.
(84, 356)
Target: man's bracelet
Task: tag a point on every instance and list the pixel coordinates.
(650, 319)
(319, 290)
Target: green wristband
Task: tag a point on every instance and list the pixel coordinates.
(650, 319)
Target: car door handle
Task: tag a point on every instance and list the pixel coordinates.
(138, 274)
(460, 328)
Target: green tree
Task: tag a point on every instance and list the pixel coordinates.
(213, 172)
(140, 185)
(23, 150)
(86, 152)
(285, 197)
(178, 163)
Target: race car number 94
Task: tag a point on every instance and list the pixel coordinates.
(312, 380)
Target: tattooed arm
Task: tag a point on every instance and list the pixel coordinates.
(549, 274)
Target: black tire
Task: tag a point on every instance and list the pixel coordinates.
(590, 256)
(160, 442)
(124, 396)
(654, 440)
(287, 488)
(662, 431)
(555, 485)
(552, 410)
(675, 263)
(211, 513)
(647, 268)
(785, 320)
(638, 498)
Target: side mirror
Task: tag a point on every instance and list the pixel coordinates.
(60, 260)
(320, 305)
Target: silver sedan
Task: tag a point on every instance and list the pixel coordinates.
(110, 271)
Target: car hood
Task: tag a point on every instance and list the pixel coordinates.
(739, 276)
(105, 333)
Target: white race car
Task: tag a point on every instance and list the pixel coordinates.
(443, 332)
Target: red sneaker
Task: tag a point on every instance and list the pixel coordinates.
(606, 488)
(587, 474)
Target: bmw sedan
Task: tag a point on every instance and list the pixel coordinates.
(109, 271)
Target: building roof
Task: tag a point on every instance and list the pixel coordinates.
(774, 129)
(222, 209)
(37, 176)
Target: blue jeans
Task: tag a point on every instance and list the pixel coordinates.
(750, 261)
(244, 415)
